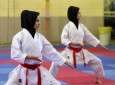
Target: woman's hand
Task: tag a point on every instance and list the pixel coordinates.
(101, 46)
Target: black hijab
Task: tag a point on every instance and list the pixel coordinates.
(72, 15)
(28, 19)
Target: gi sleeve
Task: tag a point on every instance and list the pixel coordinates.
(16, 50)
(90, 38)
(65, 36)
(50, 52)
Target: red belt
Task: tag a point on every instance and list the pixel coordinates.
(76, 50)
(33, 67)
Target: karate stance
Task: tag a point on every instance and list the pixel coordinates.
(28, 48)
(73, 37)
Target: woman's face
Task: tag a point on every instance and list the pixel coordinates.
(78, 16)
(37, 23)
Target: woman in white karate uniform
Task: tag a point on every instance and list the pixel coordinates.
(28, 48)
(73, 37)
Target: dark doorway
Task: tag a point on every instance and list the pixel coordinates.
(109, 15)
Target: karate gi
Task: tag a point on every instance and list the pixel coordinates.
(22, 45)
(78, 36)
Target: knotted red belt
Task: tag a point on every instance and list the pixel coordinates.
(75, 51)
(33, 67)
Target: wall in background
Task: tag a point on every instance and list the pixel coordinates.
(52, 16)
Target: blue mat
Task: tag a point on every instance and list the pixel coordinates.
(109, 67)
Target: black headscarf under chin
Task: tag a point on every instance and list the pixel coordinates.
(72, 15)
(28, 19)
